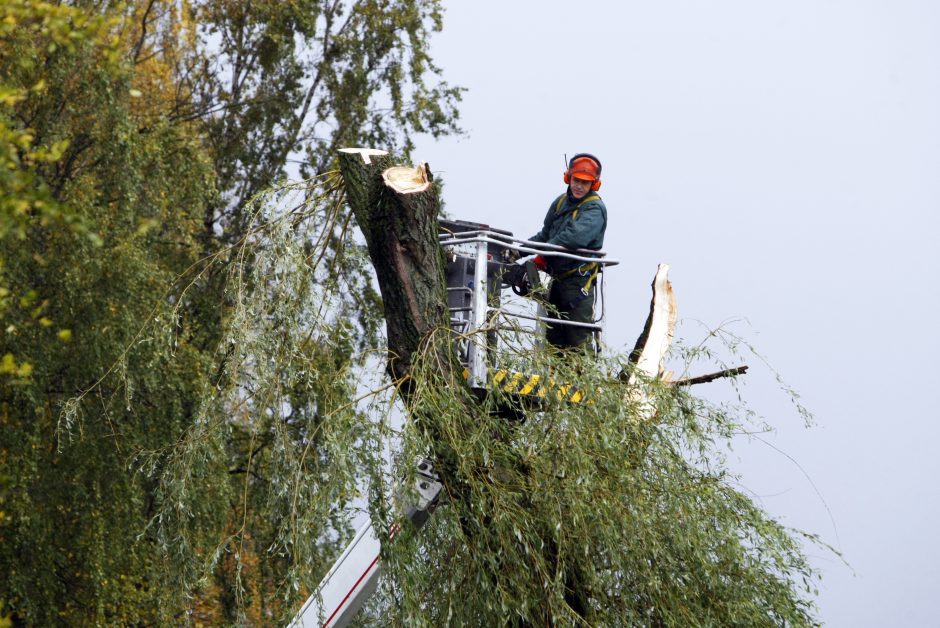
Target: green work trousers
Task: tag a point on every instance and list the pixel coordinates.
(569, 303)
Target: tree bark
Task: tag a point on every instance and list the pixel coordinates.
(397, 208)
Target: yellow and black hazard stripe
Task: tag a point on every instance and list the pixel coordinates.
(534, 386)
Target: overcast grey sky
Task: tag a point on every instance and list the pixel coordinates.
(783, 158)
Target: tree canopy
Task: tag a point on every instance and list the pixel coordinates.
(191, 393)
(133, 135)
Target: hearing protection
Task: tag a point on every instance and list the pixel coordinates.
(587, 164)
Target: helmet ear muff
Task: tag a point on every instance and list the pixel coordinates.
(596, 184)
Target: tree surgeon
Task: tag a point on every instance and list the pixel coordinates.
(575, 220)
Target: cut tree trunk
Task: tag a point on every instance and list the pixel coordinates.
(397, 208)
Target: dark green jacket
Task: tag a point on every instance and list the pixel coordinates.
(575, 225)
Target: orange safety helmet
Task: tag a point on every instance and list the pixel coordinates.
(584, 166)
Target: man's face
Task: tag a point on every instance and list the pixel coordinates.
(580, 187)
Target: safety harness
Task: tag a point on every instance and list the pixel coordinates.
(574, 213)
(589, 269)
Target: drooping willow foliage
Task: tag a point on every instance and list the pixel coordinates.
(249, 501)
(160, 346)
(583, 513)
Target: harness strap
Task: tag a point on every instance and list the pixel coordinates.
(574, 213)
(582, 270)
(590, 282)
(591, 270)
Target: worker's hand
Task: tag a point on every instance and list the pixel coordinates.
(540, 263)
